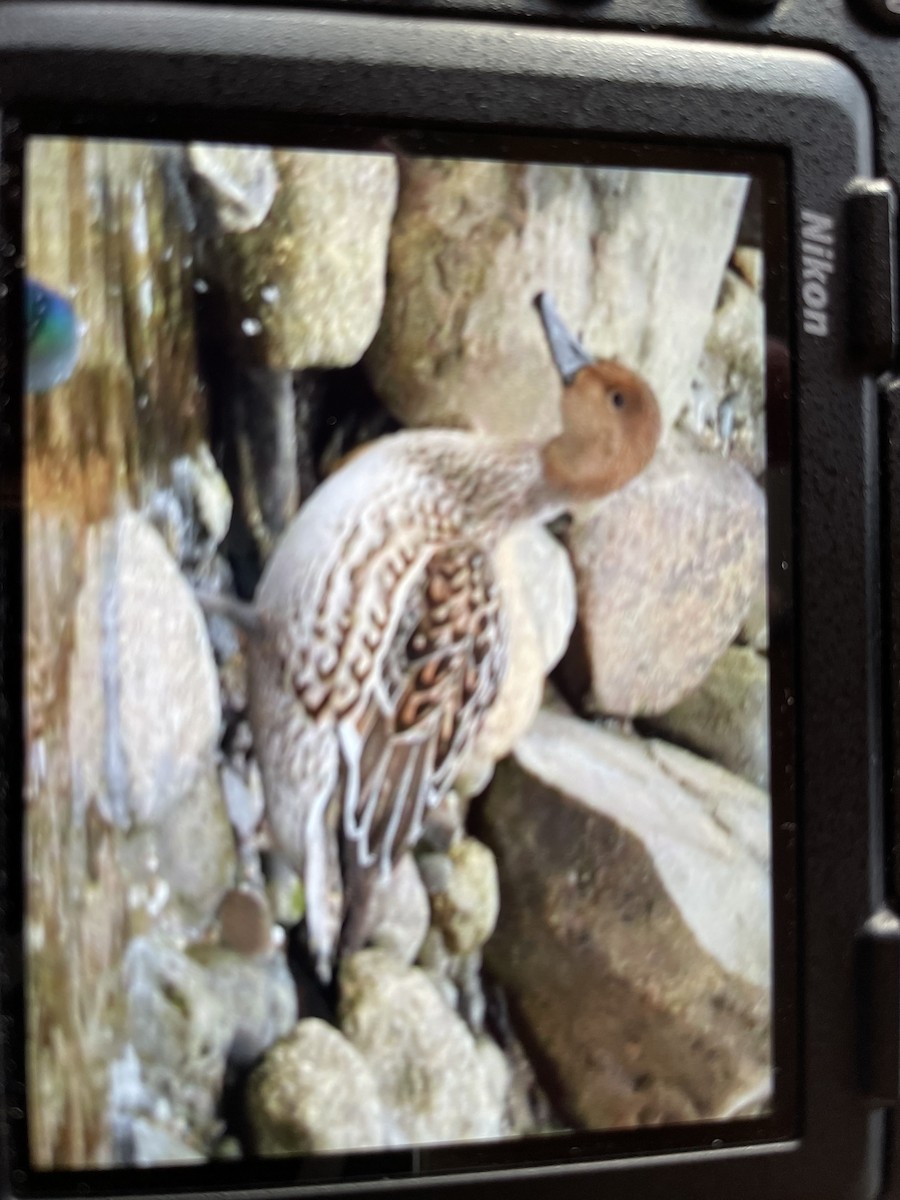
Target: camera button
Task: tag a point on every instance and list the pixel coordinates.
(873, 271)
(885, 12)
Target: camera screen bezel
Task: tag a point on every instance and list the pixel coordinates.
(160, 73)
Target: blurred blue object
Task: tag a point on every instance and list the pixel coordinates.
(52, 338)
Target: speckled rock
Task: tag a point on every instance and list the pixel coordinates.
(314, 1093)
(634, 259)
(399, 912)
(666, 570)
(437, 1083)
(139, 638)
(465, 906)
(535, 576)
(727, 717)
(308, 285)
(627, 875)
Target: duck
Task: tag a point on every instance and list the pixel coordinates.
(382, 635)
(52, 338)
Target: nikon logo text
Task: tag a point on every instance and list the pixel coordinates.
(817, 260)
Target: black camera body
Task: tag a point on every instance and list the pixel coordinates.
(802, 94)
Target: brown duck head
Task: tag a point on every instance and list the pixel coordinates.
(611, 418)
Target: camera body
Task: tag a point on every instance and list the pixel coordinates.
(815, 86)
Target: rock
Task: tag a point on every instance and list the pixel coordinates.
(239, 182)
(399, 912)
(146, 724)
(180, 1030)
(755, 629)
(245, 921)
(314, 1093)
(436, 1082)
(154, 1145)
(635, 885)
(727, 717)
(465, 908)
(307, 285)
(623, 252)
(535, 577)
(258, 995)
(666, 569)
(244, 799)
(706, 830)
(195, 847)
(727, 412)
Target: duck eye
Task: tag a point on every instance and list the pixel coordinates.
(618, 399)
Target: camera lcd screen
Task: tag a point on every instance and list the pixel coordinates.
(404, 731)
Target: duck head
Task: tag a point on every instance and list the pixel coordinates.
(611, 418)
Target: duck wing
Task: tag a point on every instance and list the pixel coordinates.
(437, 679)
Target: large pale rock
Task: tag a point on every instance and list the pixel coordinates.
(634, 259)
(538, 586)
(727, 717)
(438, 1084)
(666, 570)
(314, 1093)
(146, 724)
(633, 940)
(307, 285)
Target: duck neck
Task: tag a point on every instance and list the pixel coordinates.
(511, 486)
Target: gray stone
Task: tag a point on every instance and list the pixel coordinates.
(314, 1093)
(634, 259)
(727, 717)
(623, 886)
(437, 1083)
(535, 577)
(465, 910)
(308, 284)
(144, 730)
(666, 569)
(399, 912)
